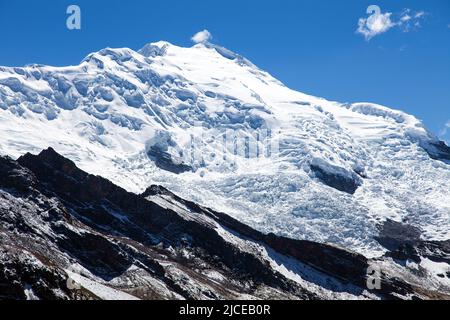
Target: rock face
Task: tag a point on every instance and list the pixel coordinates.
(164, 161)
(405, 244)
(66, 234)
(345, 183)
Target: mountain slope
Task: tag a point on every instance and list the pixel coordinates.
(308, 168)
(65, 234)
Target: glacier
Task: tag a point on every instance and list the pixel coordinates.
(340, 170)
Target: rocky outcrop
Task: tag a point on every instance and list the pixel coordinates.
(404, 243)
(164, 161)
(348, 182)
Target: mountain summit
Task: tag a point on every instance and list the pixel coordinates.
(209, 125)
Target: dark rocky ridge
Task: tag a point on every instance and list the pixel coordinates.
(438, 150)
(155, 245)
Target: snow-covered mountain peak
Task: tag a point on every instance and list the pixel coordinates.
(210, 125)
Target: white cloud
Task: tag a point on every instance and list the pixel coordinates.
(375, 24)
(410, 19)
(419, 14)
(379, 22)
(405, 18)
(202, 36)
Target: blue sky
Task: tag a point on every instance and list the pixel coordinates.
(311, 46)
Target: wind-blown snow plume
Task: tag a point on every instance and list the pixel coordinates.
(202, 36)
